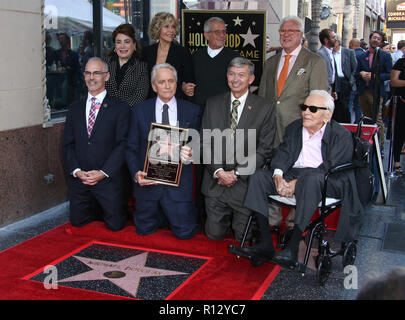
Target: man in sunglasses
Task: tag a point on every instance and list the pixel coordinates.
(311, 146)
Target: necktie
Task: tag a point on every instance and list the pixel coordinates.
(165, 114)
(234, 115)
(92, 116)
(283, 75)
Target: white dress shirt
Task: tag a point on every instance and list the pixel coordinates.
(99, 99)
(338, 59)
(242, 101)
(332, 61)
(213, 52)
(172, 111)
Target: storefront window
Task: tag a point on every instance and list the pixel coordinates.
(69, 45)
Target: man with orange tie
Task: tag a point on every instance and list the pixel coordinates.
(287, 79)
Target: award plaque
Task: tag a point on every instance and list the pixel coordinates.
(162, 162)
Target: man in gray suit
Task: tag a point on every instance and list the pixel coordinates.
(346, 65)
(306, 71)
(327, 38)
(238, 131)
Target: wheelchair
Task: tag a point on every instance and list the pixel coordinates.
(316, 229)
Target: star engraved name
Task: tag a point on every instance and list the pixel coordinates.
(135, 269)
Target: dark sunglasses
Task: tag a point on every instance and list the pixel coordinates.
(313, 109)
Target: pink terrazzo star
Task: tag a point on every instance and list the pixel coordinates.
(126, 273)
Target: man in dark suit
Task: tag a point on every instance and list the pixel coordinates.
(367, 77)
(345, 81)
(94, 141)
(238, 135)
(210, 66)
(157, 204)
(356, 112)
(311, 146)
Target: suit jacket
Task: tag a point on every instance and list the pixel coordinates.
(349, 66)
(135, 83)
(143, 114)
(323, 52)
(258, 115)
(105, 149)
(308, 73)
(337, 148)
(385, 62)
(179, 57)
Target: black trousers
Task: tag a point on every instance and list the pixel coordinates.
(105, 199)
(342, 111)
(399, 130)
(307, 192)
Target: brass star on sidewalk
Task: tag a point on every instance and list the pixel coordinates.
(125, 274)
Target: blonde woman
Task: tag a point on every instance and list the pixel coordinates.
(163, 30)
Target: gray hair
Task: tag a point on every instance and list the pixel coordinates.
(159, 66)
(207, 23)
(105, 65)
(296, 19)
(328, 101)
(240, 62)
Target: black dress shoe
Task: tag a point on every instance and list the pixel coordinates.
(253, 252)
(286, 258)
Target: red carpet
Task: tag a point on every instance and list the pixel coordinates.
(215, 274)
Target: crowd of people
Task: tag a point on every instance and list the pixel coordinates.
(294, 122)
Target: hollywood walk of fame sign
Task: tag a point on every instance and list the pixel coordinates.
(246, 33)
(125, 271)
(162, 160)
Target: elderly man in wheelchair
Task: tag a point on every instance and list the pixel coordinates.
(311, 146)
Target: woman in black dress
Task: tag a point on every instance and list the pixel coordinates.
(163, 29)
(129, 79)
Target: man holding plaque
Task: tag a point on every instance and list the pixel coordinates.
(238, 136)
(163, 186)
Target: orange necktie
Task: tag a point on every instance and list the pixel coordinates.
(283, 75)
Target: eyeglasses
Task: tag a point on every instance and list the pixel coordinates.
(218, 32)
(376, 38)
(94, 74)
(285, 31)
(313, 109)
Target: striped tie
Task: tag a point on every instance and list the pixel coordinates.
(92, 116)
(234, 115)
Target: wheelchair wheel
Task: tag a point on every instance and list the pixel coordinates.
(324, 267)
(349, 254)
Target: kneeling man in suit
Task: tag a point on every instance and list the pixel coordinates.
(311, 146)
(242, 127)
(94, 142)
(157, 204)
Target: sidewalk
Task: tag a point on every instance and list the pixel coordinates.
(379, 248)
